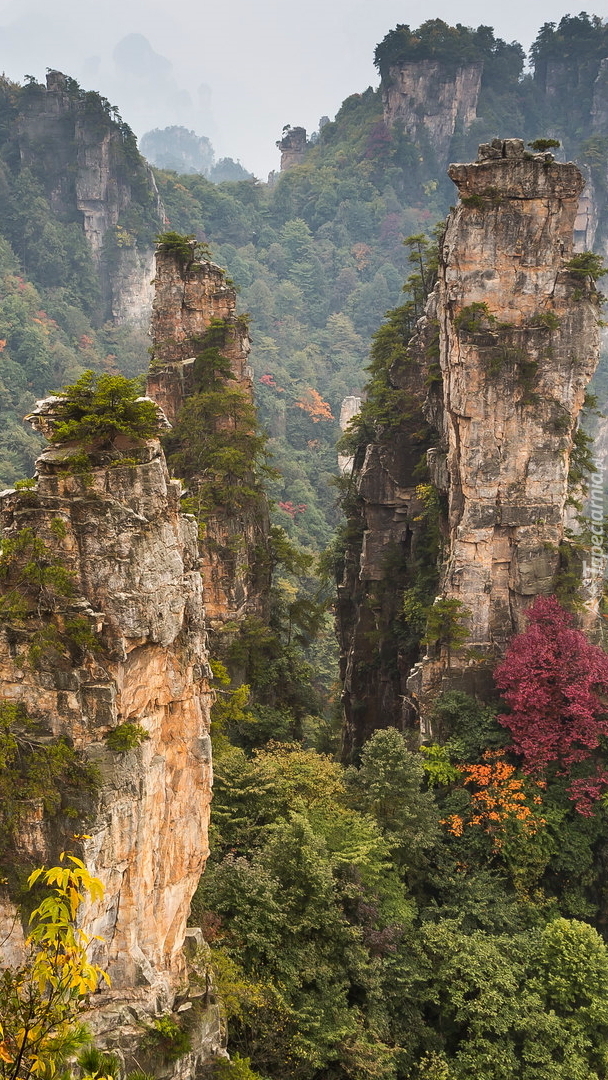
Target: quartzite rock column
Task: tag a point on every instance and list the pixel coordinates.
(132, 558)
(193, 297)
(518, 346)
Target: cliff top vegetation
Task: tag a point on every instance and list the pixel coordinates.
(96, 409)
(451, 46)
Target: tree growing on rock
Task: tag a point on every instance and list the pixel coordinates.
(98, 408)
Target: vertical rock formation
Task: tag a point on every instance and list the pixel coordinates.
(387, 540)
(350, 407)
(518, 344)
(190, 298)
(124, 645)
(431, 101)
(93, 174)
(293, 147)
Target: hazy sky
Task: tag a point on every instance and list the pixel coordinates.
(236, 71)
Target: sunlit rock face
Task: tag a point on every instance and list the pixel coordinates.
(515, 373)
(137, 585)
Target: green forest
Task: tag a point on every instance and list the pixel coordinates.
(434, 913)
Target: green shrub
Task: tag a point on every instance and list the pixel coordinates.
(78, 465)
(98, 1065)
(32, 579)
(474, 318)
(586, 265)
(167, 1037)
(545, 318)
(473, 202)
(126, 737)
(446, 624)
(235, 1068)
(32, 767)
(124, 462)
(186, 249)
(541, 145)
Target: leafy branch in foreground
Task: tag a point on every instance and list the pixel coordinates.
(42, 999)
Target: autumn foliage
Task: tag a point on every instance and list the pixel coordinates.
(312, 403)
(498, 796)
(556, 686)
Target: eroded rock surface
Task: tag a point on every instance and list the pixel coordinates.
(517, 345)
(133, 557)
(189, 297)
(431, 101)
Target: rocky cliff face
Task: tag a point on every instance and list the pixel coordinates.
(518, 344)
(93, 174)
(189, 299)
(431, 101)
(573, 97)
(137, 591)
(388, 539)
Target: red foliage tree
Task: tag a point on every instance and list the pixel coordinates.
(555, 683)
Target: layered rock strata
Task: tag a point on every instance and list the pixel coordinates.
(518, 344)
(132, 557)
(431, 102)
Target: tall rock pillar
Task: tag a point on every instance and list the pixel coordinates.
(103, 647)
(493, 382)
(195, 308)
(518, 345)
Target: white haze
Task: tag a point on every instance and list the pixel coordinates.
(236, 71)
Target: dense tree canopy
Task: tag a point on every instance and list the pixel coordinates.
(555, 683)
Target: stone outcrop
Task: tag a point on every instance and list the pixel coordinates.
(91, 170)
(133, 558)
(517, 344)
(431, 101)
(350, 407)
(189, 298)
(293, 147)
